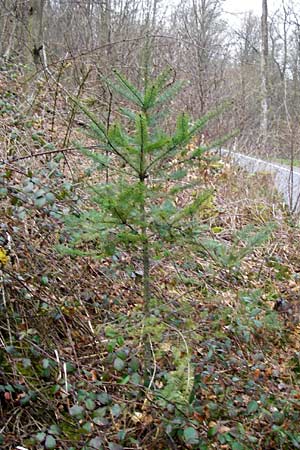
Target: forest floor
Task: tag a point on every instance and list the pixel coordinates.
(224, 335)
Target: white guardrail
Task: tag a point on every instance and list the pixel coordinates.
(286, 181)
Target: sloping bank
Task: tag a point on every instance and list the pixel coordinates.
(286, 181)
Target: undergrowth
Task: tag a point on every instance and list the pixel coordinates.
(225, 364)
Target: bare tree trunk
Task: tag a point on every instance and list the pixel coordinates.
(106, 24)
(9, 47)
(147, 50)
(4, 28)
(264, 73)
(35, 28)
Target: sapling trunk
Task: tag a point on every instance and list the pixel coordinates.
(146, 277)
(145, 256)
(146, 291)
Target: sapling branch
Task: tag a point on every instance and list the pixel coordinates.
(124, 221)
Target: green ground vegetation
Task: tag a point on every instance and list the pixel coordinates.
(222, 346)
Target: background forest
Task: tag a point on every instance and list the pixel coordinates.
(149, 288)
(79, 42)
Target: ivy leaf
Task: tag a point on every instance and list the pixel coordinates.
(212, 431)
(104, 398)
(45, 363)
(87, 427)
(96, 443)
(191, 436)
(90, 404)
(116, 410)
(237, 446)
(26, 363)
(40, 202)
(28, 188)
(3, 192)
(25, 400)
(54, 429)
(40, 437)
(101, 421)
(76, 410)
(50, 442)
(70, 368)
(50, 197)
(135, 378)
(119, 364)
(40, 193)
(113, 446)
(134, 364)
(252, 407)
